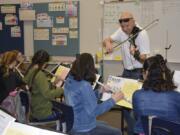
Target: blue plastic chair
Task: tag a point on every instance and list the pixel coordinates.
(160, 126)
(67, 115)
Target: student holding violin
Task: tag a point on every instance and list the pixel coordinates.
(41, 91)
(10, 80)
(134, 52)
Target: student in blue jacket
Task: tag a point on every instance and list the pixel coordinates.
(157, 96)
(84, 100)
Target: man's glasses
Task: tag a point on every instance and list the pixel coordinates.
(125, 20)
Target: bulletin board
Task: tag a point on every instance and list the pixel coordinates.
(11, 29)
(56, 28)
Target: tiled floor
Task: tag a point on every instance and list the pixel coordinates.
(113, 118)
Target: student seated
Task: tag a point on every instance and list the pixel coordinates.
(80, 95)
(9, 78)
(157, 96)
(41, 92)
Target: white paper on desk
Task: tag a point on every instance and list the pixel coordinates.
(47, 132)
(5, 120)
(22, 129)
(176, 79)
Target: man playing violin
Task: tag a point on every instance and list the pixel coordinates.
(134, 52)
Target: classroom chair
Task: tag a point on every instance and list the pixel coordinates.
(67, 115)
(18, 105)
(159, 126)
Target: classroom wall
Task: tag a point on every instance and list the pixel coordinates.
(90, 25)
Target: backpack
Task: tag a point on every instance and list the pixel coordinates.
(17, 104)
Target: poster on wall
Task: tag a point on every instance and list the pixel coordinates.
(8, 9)
(58, 6)
(73, 22)
(16, 31)
(11, 19)
(41, 34)
(1, 26)
(27, 15)
(73, 34)
(26, 5)
(61, 30)
(60, 19)
(59, 40)
(44, 20)
(72, 8)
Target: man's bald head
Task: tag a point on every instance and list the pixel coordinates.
(125, 15)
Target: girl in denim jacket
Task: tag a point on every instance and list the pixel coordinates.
(84, 100)
(158, 96)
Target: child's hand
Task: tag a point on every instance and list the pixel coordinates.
(58, 79)
(105, 88)
(118, 96)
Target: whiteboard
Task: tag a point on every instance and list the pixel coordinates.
(161, 35)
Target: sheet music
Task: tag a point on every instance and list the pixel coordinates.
(22, 129)
(5, 121)
(127, 86)
(61, 72)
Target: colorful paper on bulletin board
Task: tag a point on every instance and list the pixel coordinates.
(73, 34)
(62, 30)
(11, 19)
(8, 9)
(58, 6)
(27, 15)
(27, 5)
(41, 34)
(44, 20)
(73, 22)
(15, 31)
(72, 8)
(59, 40)
(1, 26)
(60, 19)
